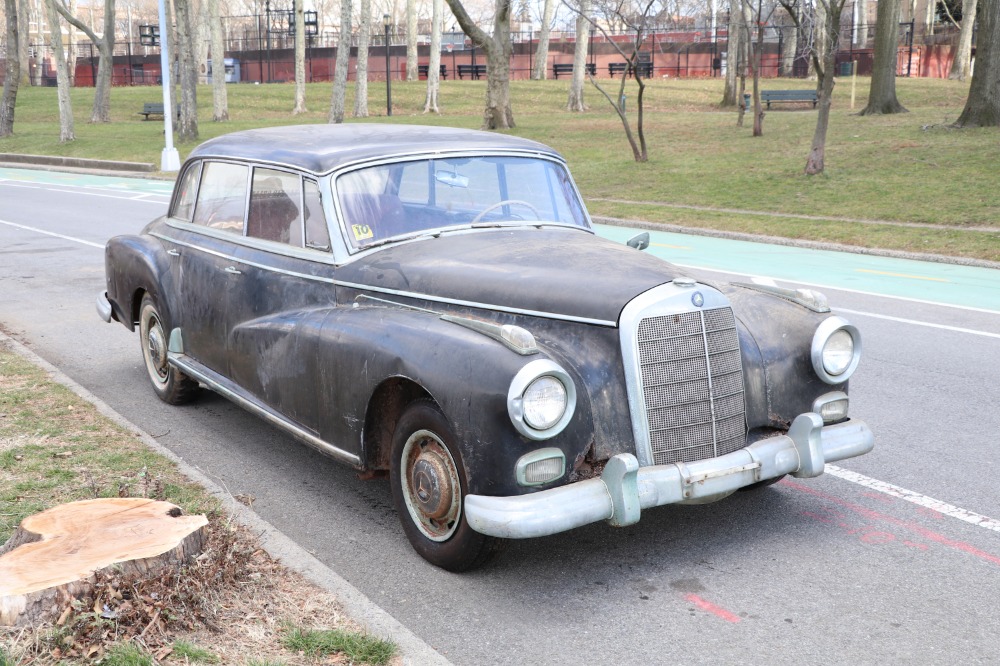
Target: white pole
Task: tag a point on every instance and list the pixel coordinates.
(169, 160)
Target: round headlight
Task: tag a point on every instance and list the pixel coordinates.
(544, 402)
(836, 350)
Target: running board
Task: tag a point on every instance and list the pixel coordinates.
(231, 391)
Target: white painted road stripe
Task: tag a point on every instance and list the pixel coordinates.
(100, 246)
(954, 329)
(916, 498)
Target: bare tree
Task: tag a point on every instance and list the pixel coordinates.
(412, 73)
(23, 52)
(638, 22)
(538, 70)
(220, 97)
(961, 62)
(105, 46)
(12, 72)
(300, 59)
(361, 73)
(187, 126)
(575, 101)
(434, 68)
(882, 92)
(982, 108)
(498, 113)
(735, 33)
(66, 129)
(862, 24)
(823, 54)
(754, 56)
(337, 100)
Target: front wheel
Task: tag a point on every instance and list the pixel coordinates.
(171, 385)
(429, 488)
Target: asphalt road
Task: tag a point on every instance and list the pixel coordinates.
(845, 568)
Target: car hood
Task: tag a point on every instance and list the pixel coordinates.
(566, 273)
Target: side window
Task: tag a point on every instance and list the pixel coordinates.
(187, 190)
(275, 202)
(317, 233)
(222, 197)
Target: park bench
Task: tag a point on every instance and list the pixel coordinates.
(473, 71)
(768, 96)
(156, 109)
(567, 68)
(423, 69)
(645, 68)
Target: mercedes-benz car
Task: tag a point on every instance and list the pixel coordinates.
(433, 304)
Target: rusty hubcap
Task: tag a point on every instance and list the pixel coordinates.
(431, 485)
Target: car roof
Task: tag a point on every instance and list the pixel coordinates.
(324, 148)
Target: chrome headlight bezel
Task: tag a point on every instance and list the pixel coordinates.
(824, 332)
(515, 398)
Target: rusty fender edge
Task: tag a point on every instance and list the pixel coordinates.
(624, 489)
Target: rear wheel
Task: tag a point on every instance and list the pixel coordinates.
(171, 385)
(429, 488)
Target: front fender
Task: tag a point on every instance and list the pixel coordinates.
(466, 373)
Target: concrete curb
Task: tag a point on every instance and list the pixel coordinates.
(359, 607)
(76, 162)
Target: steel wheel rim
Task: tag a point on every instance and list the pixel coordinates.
(154, 348)
(431, 486)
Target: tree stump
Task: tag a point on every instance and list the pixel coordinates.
(53, 556)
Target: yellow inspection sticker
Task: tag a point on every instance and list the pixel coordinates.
(361, 231)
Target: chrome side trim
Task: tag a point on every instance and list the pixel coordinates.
(231, 391)
(397, 292)
(625, 489)
(660, 301)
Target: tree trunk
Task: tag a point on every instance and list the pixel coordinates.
(497, 114)
(220, 97)
(862, 24)
(540, 67)
(412, 73)
(300, 59)
(187, 128)
(202, 39)
(575, 101)
(821, 40)
(52, 557)
(23, 50)
(66, 129)
(982, 108)
(758, 111)
(434, 68)
(12, 73)
(882, 93)
(831, 29)
(361, 73)
(337, 100)
(960, 63)
(734, 47)
(790, 48)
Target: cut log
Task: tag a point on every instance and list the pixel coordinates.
(53, 556)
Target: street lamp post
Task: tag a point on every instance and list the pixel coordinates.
(169, 160)
(386, 22)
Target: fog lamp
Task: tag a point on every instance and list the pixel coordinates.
(832, 406)
(541, 466)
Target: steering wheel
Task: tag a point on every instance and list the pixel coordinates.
(505, 202)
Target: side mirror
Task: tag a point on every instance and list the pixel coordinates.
(639, 242)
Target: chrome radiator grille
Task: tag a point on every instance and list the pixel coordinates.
(692, 384)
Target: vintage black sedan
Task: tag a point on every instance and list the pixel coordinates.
(433, 303)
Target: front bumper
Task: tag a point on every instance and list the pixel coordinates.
(624, 489)
(104, 309)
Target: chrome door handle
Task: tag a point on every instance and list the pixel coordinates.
(233, 270)
(173, 253)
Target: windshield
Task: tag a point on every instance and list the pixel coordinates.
(405, 198)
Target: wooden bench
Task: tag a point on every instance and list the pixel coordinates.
(567, 68)
(156, 109)
(645, 69)
(423, 69)
(768, 96)
(473, 71)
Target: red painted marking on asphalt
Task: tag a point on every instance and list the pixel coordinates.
(930, 535)
(709, 607)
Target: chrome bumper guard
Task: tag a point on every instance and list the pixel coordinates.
(624, 489)
(104, 306)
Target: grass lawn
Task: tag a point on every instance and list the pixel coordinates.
(906, 168)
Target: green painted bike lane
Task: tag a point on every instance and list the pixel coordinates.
(57, 178)
(946, 284)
